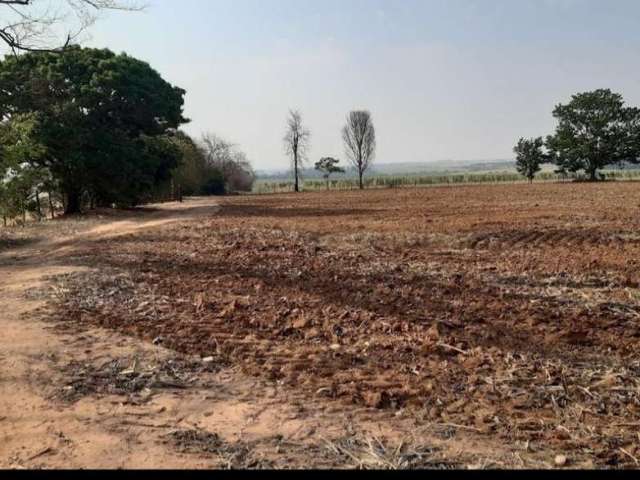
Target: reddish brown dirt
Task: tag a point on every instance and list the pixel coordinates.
(80, 396)
(512, 312)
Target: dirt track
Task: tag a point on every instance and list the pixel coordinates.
(34, 430)
(481, 326)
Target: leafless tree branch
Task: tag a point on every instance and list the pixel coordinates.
(52, 25)
(229, 160)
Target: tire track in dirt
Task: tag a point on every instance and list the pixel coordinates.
(531, 239)
(106, 432)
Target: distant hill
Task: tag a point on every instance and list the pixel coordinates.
(442, 167)
(406, 168)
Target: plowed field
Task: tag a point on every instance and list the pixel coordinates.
(509, 311)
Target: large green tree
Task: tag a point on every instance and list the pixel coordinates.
(101, 117)
(595, 129)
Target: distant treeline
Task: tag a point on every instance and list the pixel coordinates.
(399, 169)
(210, 166)
(263, 186)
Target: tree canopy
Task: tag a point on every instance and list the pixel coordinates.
(529, 156)
(103, 119)
(595, 129)
(328, 166)
(20, 181)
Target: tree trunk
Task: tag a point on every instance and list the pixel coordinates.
(592, 171)
(360, 180)
(296, 187)
(51, 206)
(38, 206)
(73, 203)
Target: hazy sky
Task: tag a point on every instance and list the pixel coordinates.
(444, 79)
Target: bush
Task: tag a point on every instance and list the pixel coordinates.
(214, 184)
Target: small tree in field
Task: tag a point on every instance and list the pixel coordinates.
(297, 140)
(359, 137)
(529, 157)
(327, 166)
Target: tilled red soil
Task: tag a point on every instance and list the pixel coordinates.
(513, 311)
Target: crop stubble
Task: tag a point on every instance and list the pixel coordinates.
(510, 311)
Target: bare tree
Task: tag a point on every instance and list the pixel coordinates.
(240, 176)
(220, 153)
(232, 162)
(359, 138)
(297, 141)
(51, 25)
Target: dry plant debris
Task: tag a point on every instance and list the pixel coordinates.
(359, 451)
(510, 312)
(131, 377)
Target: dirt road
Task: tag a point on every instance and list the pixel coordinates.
(36, 431)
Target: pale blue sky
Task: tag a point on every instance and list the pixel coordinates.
(444, 79)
